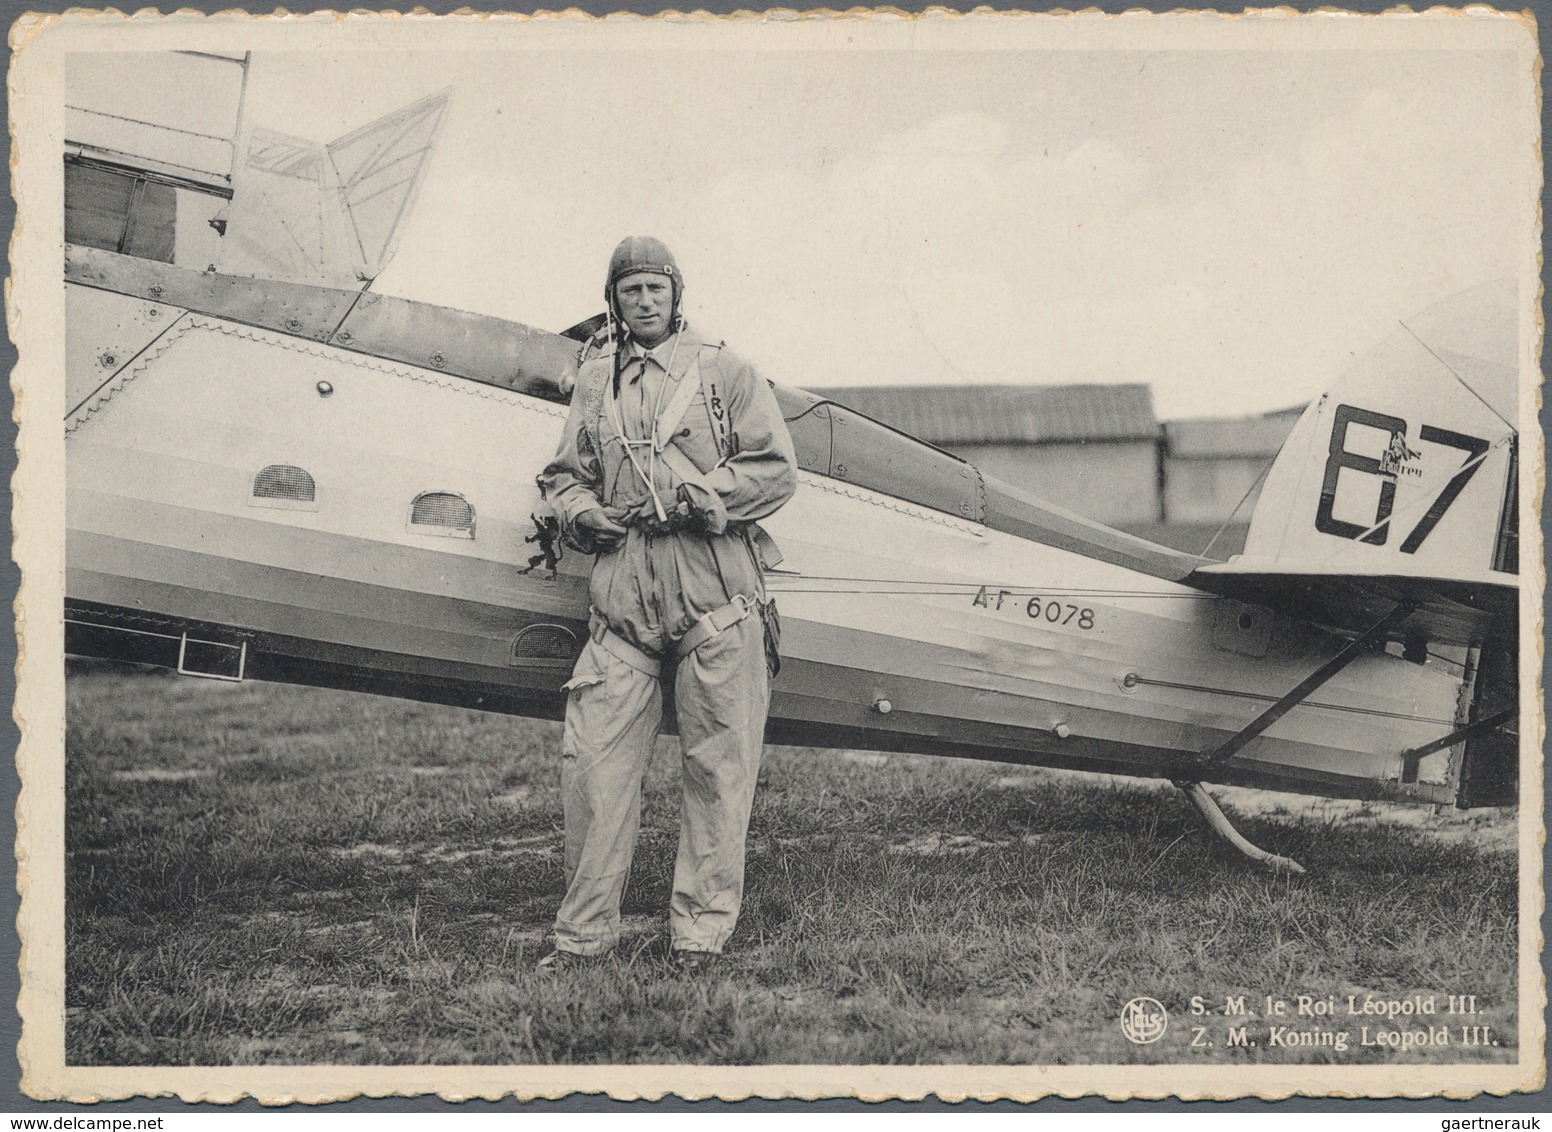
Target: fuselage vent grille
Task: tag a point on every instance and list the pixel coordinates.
(445, 512)
(285, 481)
(545, 644)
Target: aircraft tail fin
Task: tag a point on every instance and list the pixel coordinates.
(1409, 464)
(1400, 486)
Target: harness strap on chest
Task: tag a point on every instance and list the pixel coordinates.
(663, 428)
(767, 555)
(695, 377)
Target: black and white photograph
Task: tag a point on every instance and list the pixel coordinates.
(790, 555)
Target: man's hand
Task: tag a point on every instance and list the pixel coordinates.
(678, 518)
(604, 531)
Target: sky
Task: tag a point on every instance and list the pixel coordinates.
(1233, 227)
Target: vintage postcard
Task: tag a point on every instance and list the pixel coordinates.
(788, 555)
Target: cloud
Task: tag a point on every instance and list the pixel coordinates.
(1236, 270)
(945, 251)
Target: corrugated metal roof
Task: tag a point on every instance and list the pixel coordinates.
(1208, 437)
(1007, 414)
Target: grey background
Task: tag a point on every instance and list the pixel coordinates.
(13, 1101)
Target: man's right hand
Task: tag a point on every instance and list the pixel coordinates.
(604, 531)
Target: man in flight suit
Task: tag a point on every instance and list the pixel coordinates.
(673, 449)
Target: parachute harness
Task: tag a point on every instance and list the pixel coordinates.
(611, 401)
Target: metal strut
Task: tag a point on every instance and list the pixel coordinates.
(1301, 691)
(1204, 802)
(1218, 822)
(1411, 759)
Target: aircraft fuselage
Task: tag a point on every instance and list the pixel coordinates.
(264, 482)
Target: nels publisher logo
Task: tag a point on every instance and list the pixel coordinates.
(1144, 1020)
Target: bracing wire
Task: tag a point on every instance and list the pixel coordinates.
(1464, 383)
(843, 584)
(1249, 491)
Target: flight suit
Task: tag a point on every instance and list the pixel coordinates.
(651, 596)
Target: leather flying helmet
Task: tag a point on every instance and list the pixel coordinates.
(643, 253)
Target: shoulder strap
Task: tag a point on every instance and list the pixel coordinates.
(591, 389)
(663, 428)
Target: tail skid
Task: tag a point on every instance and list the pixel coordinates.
(1219, 823)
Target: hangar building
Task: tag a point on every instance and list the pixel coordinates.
(1099, 450)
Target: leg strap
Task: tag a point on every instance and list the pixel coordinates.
(622, 650)
(710, 624)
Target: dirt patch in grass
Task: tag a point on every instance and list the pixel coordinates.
(259, 873)
(158, 774)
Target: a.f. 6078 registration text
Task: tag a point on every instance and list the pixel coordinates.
(1049, 609)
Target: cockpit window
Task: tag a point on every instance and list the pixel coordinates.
(136, 213)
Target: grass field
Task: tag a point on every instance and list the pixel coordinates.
(260, 873)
